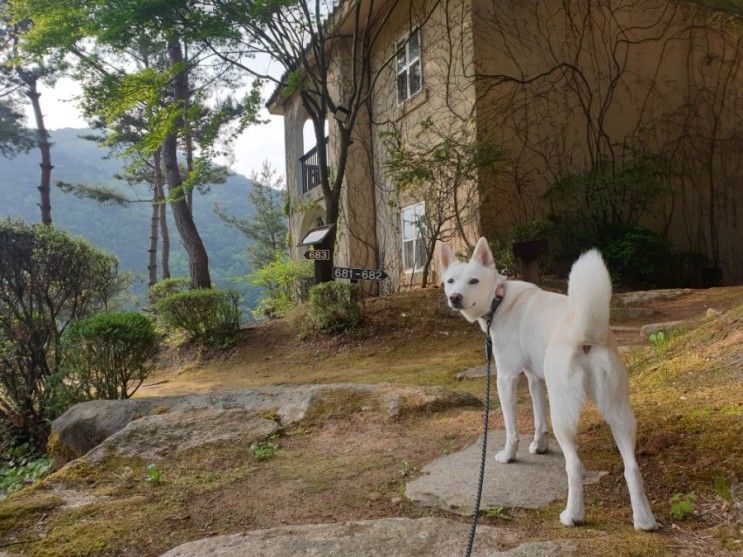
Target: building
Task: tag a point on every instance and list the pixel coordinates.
(632, 96)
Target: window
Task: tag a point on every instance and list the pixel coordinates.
(408, 66)
(413, 229)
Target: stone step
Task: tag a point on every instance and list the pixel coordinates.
(389, 537)
(531, 481)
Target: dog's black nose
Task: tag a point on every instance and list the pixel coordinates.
(455, 299)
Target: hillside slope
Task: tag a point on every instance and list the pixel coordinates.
(124, 231)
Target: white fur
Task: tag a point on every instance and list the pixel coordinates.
(543, 335)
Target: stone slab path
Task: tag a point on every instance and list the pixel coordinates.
(385, 537)
(531, 481)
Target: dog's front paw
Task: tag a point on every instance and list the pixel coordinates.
(538, 447)
(646, 523)
(505, 456)
(567, 519)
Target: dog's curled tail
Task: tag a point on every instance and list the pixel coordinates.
(589, 296)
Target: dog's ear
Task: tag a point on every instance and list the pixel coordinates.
(446, 256)
(482, 253)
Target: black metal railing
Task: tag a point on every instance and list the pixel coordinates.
(311, 167)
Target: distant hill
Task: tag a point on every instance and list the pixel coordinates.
(125, 231)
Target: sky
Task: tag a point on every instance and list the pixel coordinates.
(255, 145)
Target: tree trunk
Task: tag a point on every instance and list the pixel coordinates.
(198, 261)
(189, 167)
(46, 152)
(162, 218)
(152, 262)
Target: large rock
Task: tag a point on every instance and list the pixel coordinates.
(157, 436)
(531, 481)
(86, 425)
(388, 537)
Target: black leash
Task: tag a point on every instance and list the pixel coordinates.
(485, 420)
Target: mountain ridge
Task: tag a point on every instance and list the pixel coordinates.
(125, 230)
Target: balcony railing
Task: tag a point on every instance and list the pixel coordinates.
(311, 167)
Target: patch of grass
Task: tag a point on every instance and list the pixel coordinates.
(501, 513)
(154, 476)
(263, 450)
(658, 340)
(407, 469)
(682, 505)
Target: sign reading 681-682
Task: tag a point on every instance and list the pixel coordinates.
(358, 274)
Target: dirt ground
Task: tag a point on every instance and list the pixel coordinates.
(688, 398)
(410, 338)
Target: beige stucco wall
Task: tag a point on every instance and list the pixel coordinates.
(563, 87)
(447, 98)
(557, 98)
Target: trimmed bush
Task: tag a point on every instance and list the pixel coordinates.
(109, 355)
(208, 315)
(335, 306)
(283, 281)
(166, 287)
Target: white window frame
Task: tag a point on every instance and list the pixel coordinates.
(415, 208)
(400, 44)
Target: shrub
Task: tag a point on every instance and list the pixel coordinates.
(108, 355)
(335, 306)
(47, 279)
(283, 282)
(637, 256)
(22, 465)
(168, 286)
(208, 315)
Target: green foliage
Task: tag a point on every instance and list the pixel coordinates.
(282, 281)
(723, 489)
(602, 208)
(263, 450)
(47, 279)
(167, 287)
(208, 315)
(613, 193)
(335, 306)
(21, 466)
(682, 505)
(659, 341)
(14, 136)
(497, 512)
(154, 477)
(267, 228)
(636, 255)
(503, 257)
(109, 355)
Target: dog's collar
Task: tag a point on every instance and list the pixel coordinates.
(500, 293)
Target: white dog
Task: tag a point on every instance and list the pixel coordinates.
(564, 341)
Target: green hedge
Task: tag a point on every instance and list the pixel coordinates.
(167, 287)
(335, 306)
(108, 355)
(208, 315)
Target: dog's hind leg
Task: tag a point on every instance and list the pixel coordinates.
(612, 399)
(565, 384)
(539, 403)
(507, 383)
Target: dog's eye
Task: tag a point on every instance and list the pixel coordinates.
(450, 281)
(474, 281)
